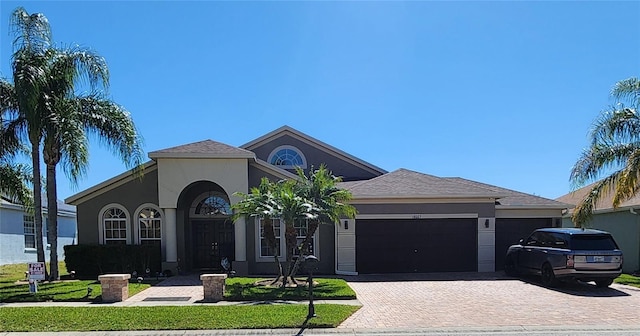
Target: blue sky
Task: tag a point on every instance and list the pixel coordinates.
(499, 92)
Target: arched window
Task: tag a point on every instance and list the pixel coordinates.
(149, 224)
(287, 157)
(114, 222)
(211, 204)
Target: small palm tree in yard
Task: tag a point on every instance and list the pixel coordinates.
(260, 203)
(614, 150)
(330, 202)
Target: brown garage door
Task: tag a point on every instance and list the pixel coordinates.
(510, 230)
(416, 245)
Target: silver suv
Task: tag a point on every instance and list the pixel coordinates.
(563, 253)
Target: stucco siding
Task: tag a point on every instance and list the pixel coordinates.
(625, 228)
(255, 175)
(12, 246)
(482, 209)
(130, 195)
(315, 158)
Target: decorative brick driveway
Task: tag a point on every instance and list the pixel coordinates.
(486, 299)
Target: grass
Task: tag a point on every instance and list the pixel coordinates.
(628, 279)
(242, 289)
(170, 317)
(13, 288)
(191, 317)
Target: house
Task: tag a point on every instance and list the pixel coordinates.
(18, 237)
(405, 222)
(622, 222)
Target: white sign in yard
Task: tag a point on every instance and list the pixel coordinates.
(36, 271)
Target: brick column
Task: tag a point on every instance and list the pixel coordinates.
(115, 287)
(213, 285)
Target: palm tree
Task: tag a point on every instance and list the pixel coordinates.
(615, 146)
(260, 203)
(320, 188)
(32, 40)
(71, 118)
(13, 177)
(294, 208)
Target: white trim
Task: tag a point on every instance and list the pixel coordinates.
(109, 184)
(292, 148)
(136, 224)
(283, 245)
(259, 256)
(287, 130)
(101, 237)
(416, 216)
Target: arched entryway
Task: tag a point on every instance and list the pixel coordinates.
(208, 227)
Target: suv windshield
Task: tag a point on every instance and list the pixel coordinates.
(593, 242)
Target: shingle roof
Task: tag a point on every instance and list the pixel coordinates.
(206, 148)
(407, 183)
(604, 204)
(512, 197)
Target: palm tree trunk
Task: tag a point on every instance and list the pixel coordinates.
(37, 200)
(52, 207)
(313, 226)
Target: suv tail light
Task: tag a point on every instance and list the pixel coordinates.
(570, 261)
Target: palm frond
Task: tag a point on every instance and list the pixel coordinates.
(628, 89)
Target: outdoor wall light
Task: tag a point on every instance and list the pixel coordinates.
(486, 223)
(346, 225)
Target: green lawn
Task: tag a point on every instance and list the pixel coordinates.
(627, 279)
(242, 289)
(13, 288)
(170, 317)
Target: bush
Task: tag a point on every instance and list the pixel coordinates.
(89, 261)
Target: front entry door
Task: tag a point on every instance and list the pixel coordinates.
(213, 241)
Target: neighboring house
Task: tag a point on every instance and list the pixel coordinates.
(407, 221)
(622, 222)
(18, 235)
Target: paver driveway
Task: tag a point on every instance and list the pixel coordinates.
(481, 300)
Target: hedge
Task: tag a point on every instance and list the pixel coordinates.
(89, 261)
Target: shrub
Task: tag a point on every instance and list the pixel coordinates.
(89, 261)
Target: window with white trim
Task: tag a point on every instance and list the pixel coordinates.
(149, 226)
(114, 224)
(302, 227)
(29, 231)
(211, 204)
(287, 157)
(265, 250)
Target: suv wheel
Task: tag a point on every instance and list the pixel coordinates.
(603, 283)
(548, 277)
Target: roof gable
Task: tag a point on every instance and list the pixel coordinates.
(202, 149)
(285, 131)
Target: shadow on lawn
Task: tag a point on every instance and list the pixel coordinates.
(72, 291)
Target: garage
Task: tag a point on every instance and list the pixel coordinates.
(510, 230)
(416, 245)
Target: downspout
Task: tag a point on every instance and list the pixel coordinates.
(637, 224)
